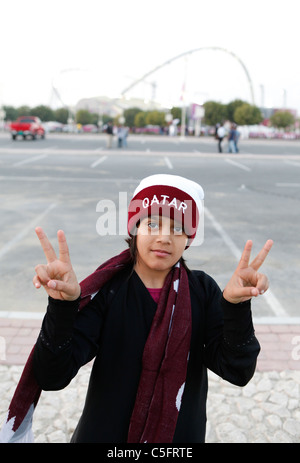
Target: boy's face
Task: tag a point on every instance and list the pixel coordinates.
(160, 243)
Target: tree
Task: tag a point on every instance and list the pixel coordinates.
(214, 112)
(176, 113)
(140, 119)
(231, 107)
(43, 112)
(11, 113)
(129, 115)
(247, 114)
(61, 115)
(94, 118)
(24, 111)
(282, 119)
(155, 118)
(83, 117)
(105, 118)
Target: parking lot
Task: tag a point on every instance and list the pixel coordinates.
(58, 183)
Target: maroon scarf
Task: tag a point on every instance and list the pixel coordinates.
(164, 364)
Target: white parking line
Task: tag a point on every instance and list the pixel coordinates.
(62, 179)
(98, 161)
(54, 147)
(168, 162)
(10, 244)
(288, 184)
(292, 163)
(269, 297)
(26, 161)
(238, 164)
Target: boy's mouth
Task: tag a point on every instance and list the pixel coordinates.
(161, 252)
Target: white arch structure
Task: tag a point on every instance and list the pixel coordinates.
(169, 61)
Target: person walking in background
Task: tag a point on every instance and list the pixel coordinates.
(216, 130)
(237, 137)
(232, 139)
(221, 133)
(110, 134)
(122, 136)
(126, 132)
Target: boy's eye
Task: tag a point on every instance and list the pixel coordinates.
(153, 225)
(178, 229)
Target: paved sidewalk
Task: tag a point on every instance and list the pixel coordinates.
(280, 344)
(266, 410)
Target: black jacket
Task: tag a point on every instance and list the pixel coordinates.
(113, 329)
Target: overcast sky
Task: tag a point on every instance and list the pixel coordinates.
(95, 47)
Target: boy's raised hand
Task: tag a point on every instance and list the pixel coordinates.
(57, 276)
(247, 282)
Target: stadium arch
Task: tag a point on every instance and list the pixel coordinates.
(181, 55)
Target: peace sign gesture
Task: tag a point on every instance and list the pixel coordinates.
(57, 276)
(246, 282)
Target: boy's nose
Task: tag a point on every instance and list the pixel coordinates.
(165, 233)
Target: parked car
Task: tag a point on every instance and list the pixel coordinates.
(53, 126)
(27, 126)
(91, 128)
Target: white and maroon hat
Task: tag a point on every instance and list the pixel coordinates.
(173, 196)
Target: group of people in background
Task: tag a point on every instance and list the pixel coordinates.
(229, 131)
(121, 133)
